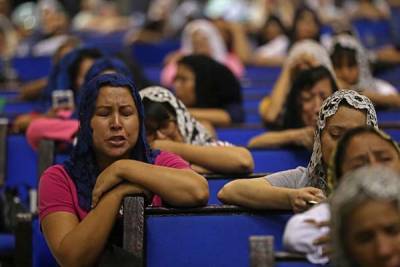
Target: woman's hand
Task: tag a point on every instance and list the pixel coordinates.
(305, 137)
(107, 180)
(301, 62)
(325, 240)
(300, 198)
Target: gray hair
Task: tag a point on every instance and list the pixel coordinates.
(367, 183)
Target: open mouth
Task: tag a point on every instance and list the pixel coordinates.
(116, 140)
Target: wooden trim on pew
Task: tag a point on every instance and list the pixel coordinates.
(46, 155)
(216, 176)
(207, 210)
(23, 240)
(3, 149)
(133, 235)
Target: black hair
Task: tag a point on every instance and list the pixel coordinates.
(298, 15)
(215, 85)
(342, 54)
(156, 114)
(341, 148)
(303, 81)
(88, 53)
(271, 19)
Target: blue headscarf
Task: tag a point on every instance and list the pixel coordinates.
(82, 165)
(60, 77)
(107, 63)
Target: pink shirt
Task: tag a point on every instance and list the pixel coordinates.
(57, 190)
(61, 128)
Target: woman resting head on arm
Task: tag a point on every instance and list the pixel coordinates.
(303, 55)
(79, 200)
(170, 127)
(310, 88)
(294, 189)
(365, 223)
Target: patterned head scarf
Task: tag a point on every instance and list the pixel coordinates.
(216, 42)
(368, 183)
(314, 49)
(316, 169)
(82, 165)
(365, 78)
(335, 165)
(189, 127)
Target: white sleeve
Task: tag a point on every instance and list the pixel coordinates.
(300, 235)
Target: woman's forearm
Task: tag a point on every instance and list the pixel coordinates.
(216, 116)
(277, 97)
(178, 187)
(225, 159)
(256, 194)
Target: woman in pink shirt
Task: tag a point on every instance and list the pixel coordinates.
(80, 200)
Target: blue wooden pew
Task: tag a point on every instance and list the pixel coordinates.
(373, 33)
(391, 115)
(31, 68)
(274, 160)
(208, 236)
(148, 54)
(238, 136)
(394, 133)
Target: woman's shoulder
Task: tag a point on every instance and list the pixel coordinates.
(55, 174)
(294, 178)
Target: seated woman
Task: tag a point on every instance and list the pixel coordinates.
(170, 127)
(308, 232)
(33, 90)
(310, 88)
(201, 37)
(351, 65)
(294, 189)
(65, 129)
(80, 199)
(209, 90)
(69, 74)
(303, 55)
(366, 219)
(306, 25)
(274, 44)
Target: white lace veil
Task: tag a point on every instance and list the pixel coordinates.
(316, 169)
(192, 130)
(216, 42)
(314, 49)
(365, 78)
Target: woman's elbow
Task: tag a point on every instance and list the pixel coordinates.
(245, 162)
(198, 194)
(225, 195)
(200, 197)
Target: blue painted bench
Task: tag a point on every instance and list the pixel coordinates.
(209, 236)
(274, 160)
